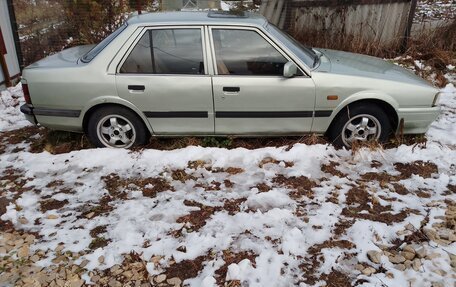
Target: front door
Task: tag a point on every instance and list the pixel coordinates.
(165, 76)
(251, 95)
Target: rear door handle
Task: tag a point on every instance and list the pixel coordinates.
(138, 88)
(232, 89)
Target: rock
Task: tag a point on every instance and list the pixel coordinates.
(452, 237)
(408, 255)
(453, 260)
(368, 271)
(155, 259)
(431, 234)
(128, 274)
(160, 278)
(76, 283)
(175, 281)
(3, 250)
(84, 263)
(52, 216)
(29, 238)
(114, 283)
(421, 252)
(396, 259)
(410, 227)
(409, 248)
(359, 267)
(416, 264)
(18, 243)
(22, 220)
(35, 258)
(408, 264)
(374, 256)
(101, 259)
(90, 215)
(95, 278)
(116, 270)
(437, 284)
(23, 251)
(59, 248)
(400, 267)
(389, 275)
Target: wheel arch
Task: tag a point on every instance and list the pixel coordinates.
(111, 101)
(384, 101)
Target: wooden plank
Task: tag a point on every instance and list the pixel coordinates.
(408, 29)
(2, 43)
(328, 3)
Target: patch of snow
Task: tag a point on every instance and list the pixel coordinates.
(11, 117)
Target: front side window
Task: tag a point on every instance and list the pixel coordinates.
(167, 51)
(245, 52)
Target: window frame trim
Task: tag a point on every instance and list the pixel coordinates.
(262, 34)
(147, 29)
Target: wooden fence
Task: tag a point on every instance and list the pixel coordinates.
(386, 22)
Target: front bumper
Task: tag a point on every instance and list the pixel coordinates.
(417, 120)
(28, 113)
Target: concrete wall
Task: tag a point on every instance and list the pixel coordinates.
(11, 56)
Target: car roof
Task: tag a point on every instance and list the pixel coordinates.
(197, 17)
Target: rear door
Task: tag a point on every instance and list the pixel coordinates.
(164, 74)
(251, 95)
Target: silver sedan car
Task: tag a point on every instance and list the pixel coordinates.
(217, 73)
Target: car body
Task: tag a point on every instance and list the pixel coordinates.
(220, 74)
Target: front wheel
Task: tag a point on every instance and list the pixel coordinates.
(116, 127)
(360, 123)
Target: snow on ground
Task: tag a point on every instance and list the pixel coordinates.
(306, 215)
(10, 116)
(428, 10)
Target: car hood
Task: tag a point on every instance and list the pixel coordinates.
(66, 58)
(345, 63)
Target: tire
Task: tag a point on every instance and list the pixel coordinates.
(116, 127)
(361, 122)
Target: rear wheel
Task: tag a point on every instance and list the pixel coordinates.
(116, 127)
(360, 123)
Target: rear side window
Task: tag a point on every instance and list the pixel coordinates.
(167, 51)
(98, 48)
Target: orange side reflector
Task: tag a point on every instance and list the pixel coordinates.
(332, 97)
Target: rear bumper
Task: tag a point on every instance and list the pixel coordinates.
(417, 120)
(28, 113)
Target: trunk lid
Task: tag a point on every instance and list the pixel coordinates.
(66, 58)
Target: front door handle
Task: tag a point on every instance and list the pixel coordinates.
(232, 89)
(137, 88)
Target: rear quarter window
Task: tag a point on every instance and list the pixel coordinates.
(89, 56)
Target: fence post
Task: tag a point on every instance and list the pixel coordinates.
(408, 29)
(3, 64)
(139, 6)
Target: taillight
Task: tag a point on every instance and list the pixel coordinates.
(26, 94)
(436, 99)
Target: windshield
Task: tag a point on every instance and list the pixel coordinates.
(306, 54)
(98, 48)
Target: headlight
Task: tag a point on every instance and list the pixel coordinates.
(436, 99)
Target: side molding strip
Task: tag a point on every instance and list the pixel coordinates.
(275, 114)
(322, 114)
(180, 114)
(57, 112)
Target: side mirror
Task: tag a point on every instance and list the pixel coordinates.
(290, 70)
